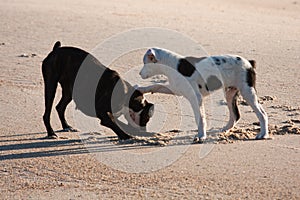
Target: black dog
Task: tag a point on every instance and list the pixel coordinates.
(96, 90)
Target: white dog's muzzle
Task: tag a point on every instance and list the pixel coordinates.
(143, 73)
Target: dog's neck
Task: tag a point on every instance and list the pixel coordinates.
(167, 62)
(168, 58)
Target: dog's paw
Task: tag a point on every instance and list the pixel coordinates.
(227, 128)
(263, 137)
(224, 130)
(124, 137)
(198, 140)
(53, 136)
(70, 129)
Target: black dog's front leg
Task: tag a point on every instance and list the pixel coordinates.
(108, 121)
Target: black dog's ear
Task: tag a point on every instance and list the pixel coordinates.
(253, 63)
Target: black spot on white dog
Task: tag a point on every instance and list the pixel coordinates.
(185, 67)
(217, 61)
(223, 60)
(238, 58)
(213, 83)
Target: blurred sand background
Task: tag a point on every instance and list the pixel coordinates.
(34, 168)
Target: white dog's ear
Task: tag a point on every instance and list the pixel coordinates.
(152, 55)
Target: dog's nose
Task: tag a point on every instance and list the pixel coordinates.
(142, 75)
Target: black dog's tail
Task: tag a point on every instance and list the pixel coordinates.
(56, 45)
(48, 61)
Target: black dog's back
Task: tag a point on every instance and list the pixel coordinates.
(63, 63)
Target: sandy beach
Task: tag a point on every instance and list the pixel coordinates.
(94, 165)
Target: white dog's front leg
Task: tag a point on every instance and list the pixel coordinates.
(201, 127)
(157, 88)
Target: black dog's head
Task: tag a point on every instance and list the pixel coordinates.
(140, 109)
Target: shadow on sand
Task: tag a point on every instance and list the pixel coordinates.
(31, 145)
(36, 146)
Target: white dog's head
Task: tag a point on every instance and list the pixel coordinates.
(151, 58)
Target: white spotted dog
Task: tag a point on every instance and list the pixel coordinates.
(194, 78)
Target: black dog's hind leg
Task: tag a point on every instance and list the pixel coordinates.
(61, 108)
(107, 120)
(50, 90)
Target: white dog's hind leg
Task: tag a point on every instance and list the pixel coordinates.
(264, 129)
(249, 95)
(231, 95)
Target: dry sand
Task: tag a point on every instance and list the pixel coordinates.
(236, 167)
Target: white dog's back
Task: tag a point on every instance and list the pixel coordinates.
(214, 72)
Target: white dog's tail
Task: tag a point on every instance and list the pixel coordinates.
(251, 74)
